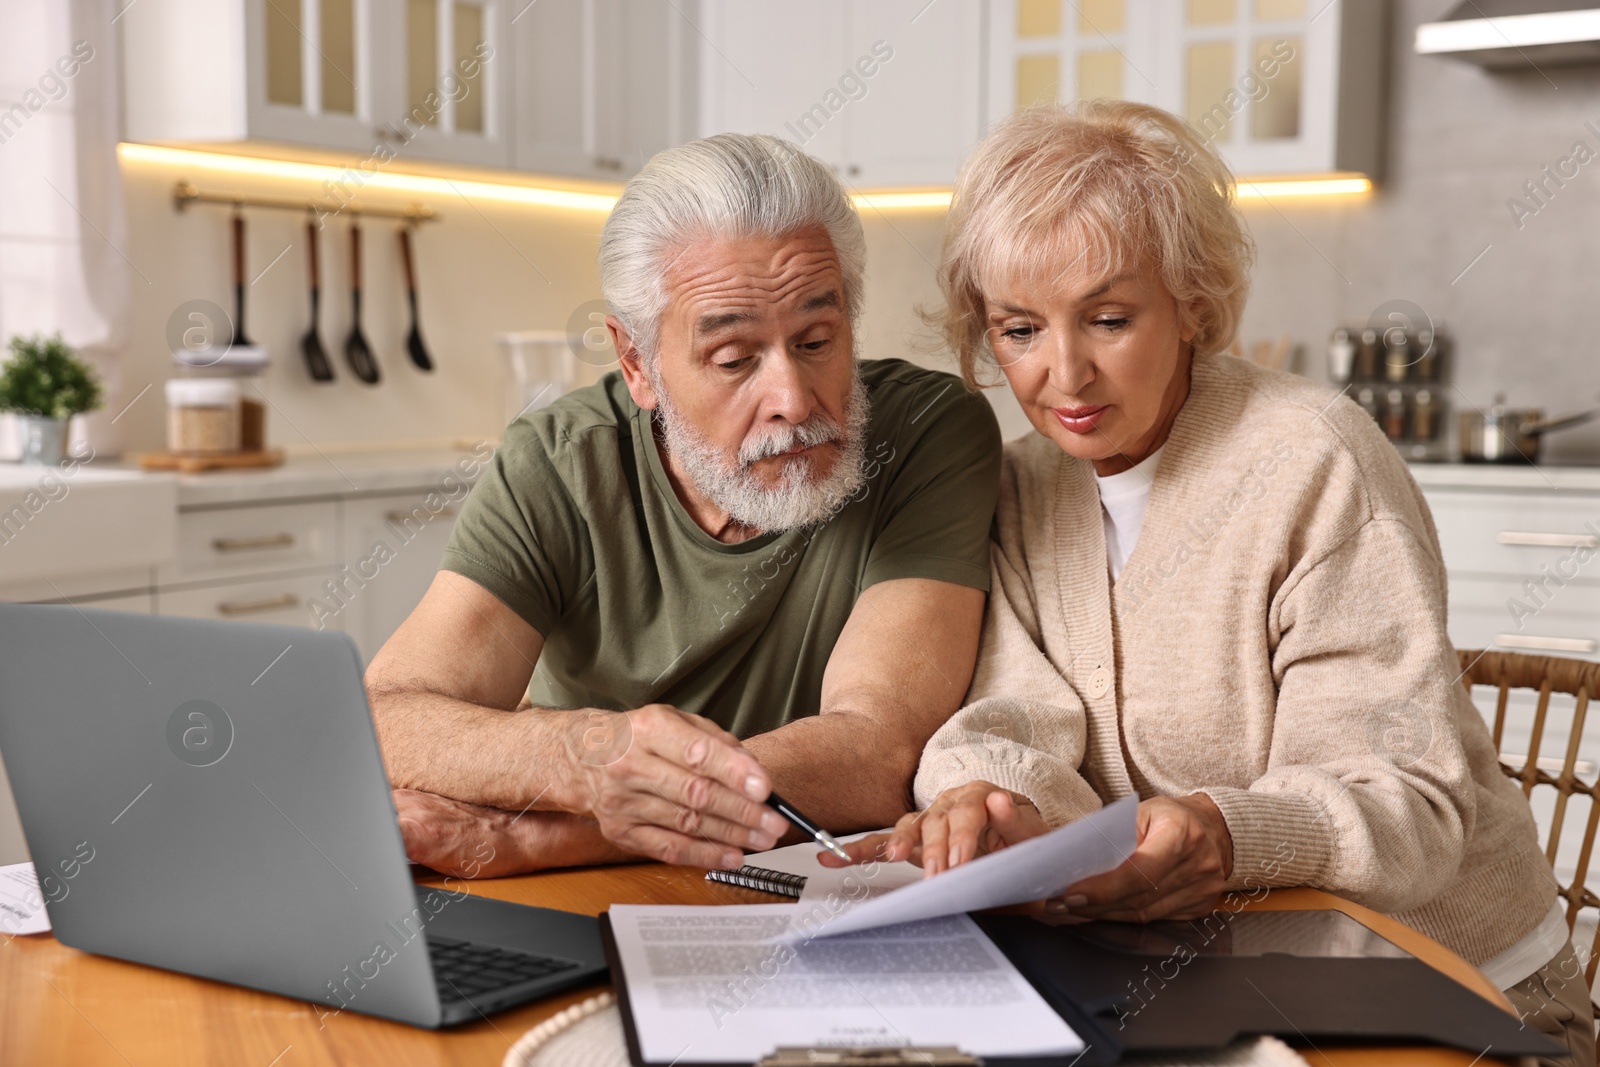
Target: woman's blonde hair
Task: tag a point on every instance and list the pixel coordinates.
(1117, 184)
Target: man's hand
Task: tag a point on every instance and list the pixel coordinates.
(1179, 869)
(472, 841)
(674, 787)
(961, 824)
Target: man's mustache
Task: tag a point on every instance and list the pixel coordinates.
(819, 429)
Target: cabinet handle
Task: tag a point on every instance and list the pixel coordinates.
(250, 544)
(398, 517)
(232, 608)
(1547, 644)
(1547, 540)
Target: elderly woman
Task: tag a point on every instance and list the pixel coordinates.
(1214, 586)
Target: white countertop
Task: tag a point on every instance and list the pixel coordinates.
(1534, 478)
(330, 473)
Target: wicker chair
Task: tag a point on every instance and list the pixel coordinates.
(1545, 675)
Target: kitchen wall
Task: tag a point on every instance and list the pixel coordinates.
(486, 268)
(1460, 143)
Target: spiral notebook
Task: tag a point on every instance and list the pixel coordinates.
(781, 883)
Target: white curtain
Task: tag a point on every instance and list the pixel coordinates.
(63, 225)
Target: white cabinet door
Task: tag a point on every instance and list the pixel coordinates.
(1278, 87)
(647, 79)
(448, 67)
(382, 80)
(553, 88)
(773, 66)
(599, 86)
(916, 68)
(315, 71)
(392, 549)
(1044, 51)
(887, 93)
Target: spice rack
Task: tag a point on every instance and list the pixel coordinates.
(1398, 376)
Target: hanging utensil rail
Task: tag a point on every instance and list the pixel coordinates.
(186, 193)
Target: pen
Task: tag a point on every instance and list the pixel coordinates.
(823, 838)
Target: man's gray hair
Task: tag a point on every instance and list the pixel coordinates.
(731, 185)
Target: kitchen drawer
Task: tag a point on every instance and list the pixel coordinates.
(1482, 616)
(289, 601)
(239, 542)
(1517, 533)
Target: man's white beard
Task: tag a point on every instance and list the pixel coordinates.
(800, 498)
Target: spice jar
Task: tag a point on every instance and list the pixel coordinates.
(1394, 415)
(202, 415)
(1396, 354)
(1424, 416)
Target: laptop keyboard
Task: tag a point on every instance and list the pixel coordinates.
(462, 969)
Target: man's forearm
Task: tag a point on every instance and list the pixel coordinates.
(513, 760)
(846, 771)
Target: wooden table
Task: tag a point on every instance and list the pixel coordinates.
(62, 1006)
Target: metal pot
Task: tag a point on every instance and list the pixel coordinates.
(1510, 435)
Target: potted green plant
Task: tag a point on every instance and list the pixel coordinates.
(44, 384)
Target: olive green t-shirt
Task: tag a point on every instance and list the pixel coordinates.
(576, 527)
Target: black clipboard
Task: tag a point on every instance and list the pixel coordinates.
(1101, 1048)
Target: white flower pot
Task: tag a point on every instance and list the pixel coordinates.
(44, 440)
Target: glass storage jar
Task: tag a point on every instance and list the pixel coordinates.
(202, 416)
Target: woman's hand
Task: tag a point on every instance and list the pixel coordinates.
(961, 824)
(1179, 869)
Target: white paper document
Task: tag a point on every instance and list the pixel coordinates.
(711, 985)
(21, 902)
(1033, 870)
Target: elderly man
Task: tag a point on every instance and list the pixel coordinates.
(745, 561)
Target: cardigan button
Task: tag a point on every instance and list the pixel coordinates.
(1099, 682)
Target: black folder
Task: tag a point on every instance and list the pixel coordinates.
(1309, 977)
(1316, 978)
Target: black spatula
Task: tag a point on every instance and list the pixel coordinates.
(414, 345)
(356, 350)
(311, 344)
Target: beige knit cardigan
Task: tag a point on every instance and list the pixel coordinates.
(1276, 641)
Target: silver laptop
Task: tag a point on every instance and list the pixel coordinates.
(208, 797)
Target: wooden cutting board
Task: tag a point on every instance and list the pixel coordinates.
(221, 461)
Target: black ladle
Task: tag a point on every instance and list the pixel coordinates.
(414, 345)
(311, 344)
(356, 350)
(239, 338)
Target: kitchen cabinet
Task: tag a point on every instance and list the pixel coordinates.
(241, 542)
(392, 548)
(359, 564)
(289, 600)
(1278, 87)
(1523, 565)
(382, 79)
(1521, 549)
(887, 94)
(600, 86)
